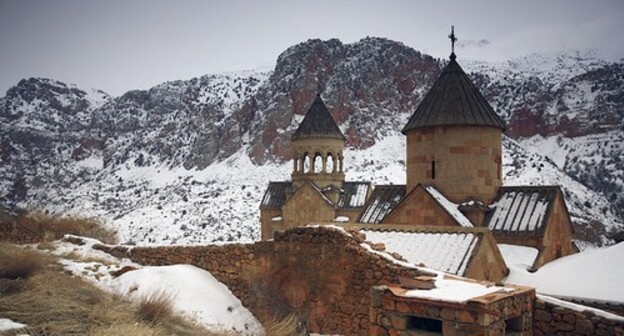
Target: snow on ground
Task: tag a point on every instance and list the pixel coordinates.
(195, 292)
(594, 274)
(7, 324)
(522, 257)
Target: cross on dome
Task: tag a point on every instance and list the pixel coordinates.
(453, 39)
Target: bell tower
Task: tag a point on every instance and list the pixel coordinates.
(454, 139)
(318, 146)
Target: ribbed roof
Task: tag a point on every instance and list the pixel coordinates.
(521, 210)
(454, 100)
(318, 123)
(383, 199)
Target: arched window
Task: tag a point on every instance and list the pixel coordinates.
(296, 164)
(329, 167)
(306, 163)
(318, 163)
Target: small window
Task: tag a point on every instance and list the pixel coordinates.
(513, 326)
(417, 325)
(433, 169)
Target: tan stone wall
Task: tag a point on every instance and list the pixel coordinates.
(467, 161)
(267, 224)
(550, 319)
(390, 315)
(306, 206)
(323, 147)
(557, 241)
(321, 274)
(487, 263)
(419, 209)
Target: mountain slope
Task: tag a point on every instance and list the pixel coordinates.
(187, 161)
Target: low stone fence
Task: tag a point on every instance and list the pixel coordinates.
(555, 319)
(324, 275)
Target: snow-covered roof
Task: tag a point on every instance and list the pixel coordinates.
(448, 252)
(353, 194)
(450, 207)
(518, 256)
(522, 209)
(597, 275)
(275, 195)
(383, 199)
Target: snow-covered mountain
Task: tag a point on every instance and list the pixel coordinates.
(188, 161)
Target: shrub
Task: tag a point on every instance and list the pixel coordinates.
(19, 264)
(155, 307)
(79, 226)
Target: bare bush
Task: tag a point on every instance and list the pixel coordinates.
(155, 307)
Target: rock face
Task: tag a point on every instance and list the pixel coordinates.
(370, 87)
(56, 137)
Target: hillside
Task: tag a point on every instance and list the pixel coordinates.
(187, 161)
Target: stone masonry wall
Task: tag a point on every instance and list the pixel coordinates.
(321, 274)
(550, 319)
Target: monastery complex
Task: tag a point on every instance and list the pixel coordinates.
(454, 201)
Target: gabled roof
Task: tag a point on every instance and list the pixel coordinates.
(318, 123)
(444, 250)
(275, 195)
(353, 195)
(451, 208)
(521, 209)
(453, 100)
(382, 200)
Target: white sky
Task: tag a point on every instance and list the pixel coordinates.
(119, 45)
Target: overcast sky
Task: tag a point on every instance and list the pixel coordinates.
(131, 44)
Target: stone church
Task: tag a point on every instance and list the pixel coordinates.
(454, 180)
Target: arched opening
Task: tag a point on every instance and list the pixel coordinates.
(318, 163)
(307, 164)
(330, 164)
(296, 165)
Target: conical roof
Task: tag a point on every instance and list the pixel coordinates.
(454, 100)
(318, 123)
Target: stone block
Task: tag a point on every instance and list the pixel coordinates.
(377, 331)
(447, 314)
(584, 327)
(399, 322)
(402, 307)
(562, 326)
(542, 315)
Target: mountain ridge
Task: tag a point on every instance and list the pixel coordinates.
(371, 87)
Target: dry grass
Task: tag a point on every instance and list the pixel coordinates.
(288, 326)
(79, 226)
(155, 307)
(16, 263)
(52, 302)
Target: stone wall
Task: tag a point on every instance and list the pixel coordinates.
(551, 319)
(321, 274)
(419, 208)
(399, 315)
(467, 161)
